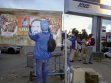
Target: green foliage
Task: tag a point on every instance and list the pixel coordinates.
(75, 32)
(78, 34)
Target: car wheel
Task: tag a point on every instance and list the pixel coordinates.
(11, 50)
(106, 56)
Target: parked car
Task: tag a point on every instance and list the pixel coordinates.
(107, 54)
(10, 49)
(106, 49)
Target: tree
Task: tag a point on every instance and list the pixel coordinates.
(84, 33)
(79, 34)
(75, 32)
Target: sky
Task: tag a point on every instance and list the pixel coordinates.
(69, 21)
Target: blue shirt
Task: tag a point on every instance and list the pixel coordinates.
(73, 42)
(41, 45)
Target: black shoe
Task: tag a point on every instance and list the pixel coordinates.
(72, 61)
(90, 63)
(79, 60)
(85, 63)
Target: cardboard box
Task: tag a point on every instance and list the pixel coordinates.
(92, 70)
(91, 75)
(78, 74)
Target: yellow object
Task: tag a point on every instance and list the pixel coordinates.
(63, 54)
(20, 29)
(78, 74)
(76, 44)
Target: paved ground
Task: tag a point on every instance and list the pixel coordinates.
(12, 69)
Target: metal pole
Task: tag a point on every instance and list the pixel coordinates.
(21, 50)
(99, 26)
(96, 30)
(65, 56)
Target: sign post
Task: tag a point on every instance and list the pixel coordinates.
(97, 9)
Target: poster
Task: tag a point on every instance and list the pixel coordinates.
(55, 27)
(0, 25)
(14, 28)
(35, 25)
(8, 25)
(22, 26)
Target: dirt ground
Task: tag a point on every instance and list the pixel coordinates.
(12, 69)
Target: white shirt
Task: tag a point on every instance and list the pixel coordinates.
(69, 43)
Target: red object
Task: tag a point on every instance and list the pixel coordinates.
(89, 41)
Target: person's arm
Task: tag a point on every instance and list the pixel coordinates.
(70, 48)
(33, 37)
(63, 44)
(63, 47)
(50, 32)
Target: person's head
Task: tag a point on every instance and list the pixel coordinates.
(90, 35)
(72, 35)
(35, 24)
(63, 35)
(25, 18)
(44, 25)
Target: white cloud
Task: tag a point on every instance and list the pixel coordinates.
(78, 22)
(108, 28)
(71, 21)
(33, 4)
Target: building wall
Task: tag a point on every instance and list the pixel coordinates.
(108, 38)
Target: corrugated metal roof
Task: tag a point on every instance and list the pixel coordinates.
(108, 33)
(28, 12)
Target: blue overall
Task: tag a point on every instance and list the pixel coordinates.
(41, 55)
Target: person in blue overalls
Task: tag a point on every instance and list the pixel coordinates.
(40, 50)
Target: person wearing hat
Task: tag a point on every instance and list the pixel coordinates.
(73, 48)
(90, 44)
(40, 50)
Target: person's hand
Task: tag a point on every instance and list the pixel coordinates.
(49, 28)
(29, 26)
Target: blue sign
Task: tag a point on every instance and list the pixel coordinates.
(84, 5)
(103, 34)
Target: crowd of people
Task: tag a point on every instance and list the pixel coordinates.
(77, 51)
